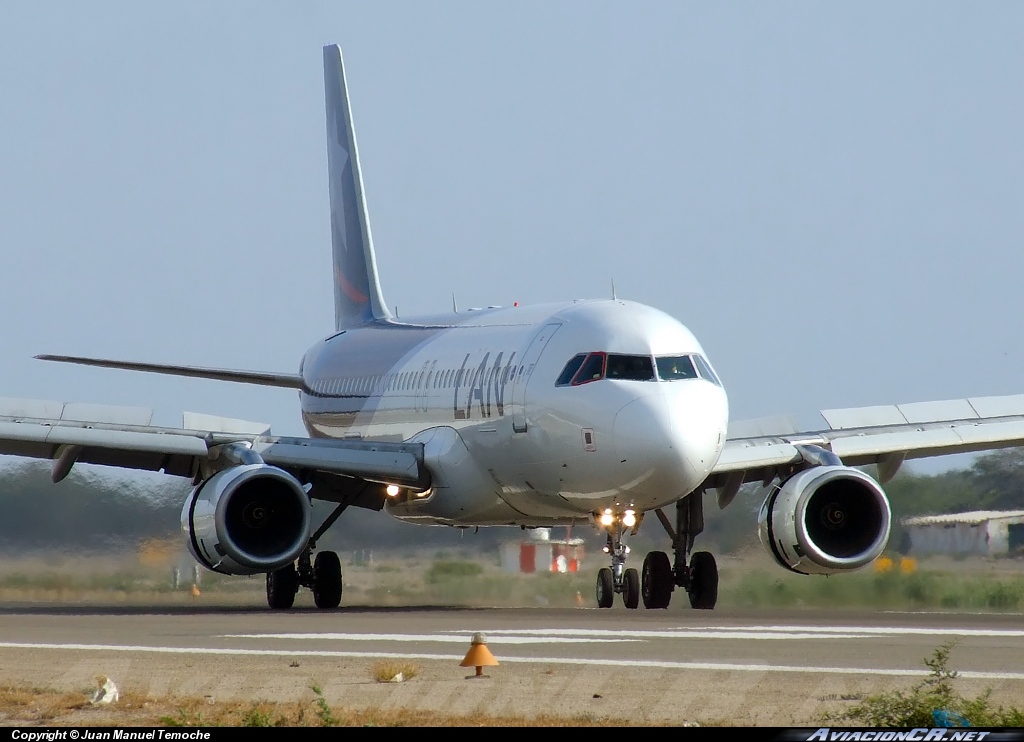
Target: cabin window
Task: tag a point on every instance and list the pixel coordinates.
(565, 378)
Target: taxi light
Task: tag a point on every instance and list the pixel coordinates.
(392, 490)
(607, 518)
(629, 519)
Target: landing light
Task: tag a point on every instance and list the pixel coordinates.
(607, 517)
(629, 519)
(392, 490)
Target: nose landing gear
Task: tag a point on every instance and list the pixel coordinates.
(618, 579)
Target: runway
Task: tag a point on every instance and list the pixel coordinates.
(744, 667)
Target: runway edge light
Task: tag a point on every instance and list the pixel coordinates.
(478, 656)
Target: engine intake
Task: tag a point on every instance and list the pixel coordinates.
(247, 519)
(825, 520)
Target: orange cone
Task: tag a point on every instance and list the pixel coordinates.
(478, 656)
(195, 591)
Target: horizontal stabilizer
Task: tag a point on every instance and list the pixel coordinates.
(261, 378)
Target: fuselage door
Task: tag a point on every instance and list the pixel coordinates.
(525, 370)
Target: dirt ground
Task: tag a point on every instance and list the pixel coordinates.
(181, 687)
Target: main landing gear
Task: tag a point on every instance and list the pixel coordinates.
(322, 575)
(660, 576)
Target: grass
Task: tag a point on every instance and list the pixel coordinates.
(932, 702)
(386, 671)
(922, 589)
(23, 706)
(450, 579)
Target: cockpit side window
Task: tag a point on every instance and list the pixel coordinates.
(592, 370)
(705, 370)
(565, 378)
(632, 368)
(674, 368)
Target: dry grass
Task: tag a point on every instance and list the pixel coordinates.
(22, 706)
(386, 671)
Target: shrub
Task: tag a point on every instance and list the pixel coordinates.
(932, 702)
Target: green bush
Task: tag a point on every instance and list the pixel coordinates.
(929, 701)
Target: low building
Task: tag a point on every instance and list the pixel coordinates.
(541, 553)
(981, 533)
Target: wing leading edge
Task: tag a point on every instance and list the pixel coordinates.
(882, 435)
(115, 439)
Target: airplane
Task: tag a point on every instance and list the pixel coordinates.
(602, 412)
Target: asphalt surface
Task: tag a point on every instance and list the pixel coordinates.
(765, 667)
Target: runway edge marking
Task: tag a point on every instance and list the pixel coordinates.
(658, 664)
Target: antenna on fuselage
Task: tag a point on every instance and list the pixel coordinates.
(455, 306)
(613, 290)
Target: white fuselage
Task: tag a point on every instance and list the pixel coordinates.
(504, 442)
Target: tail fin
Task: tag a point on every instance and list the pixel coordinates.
(357, 294)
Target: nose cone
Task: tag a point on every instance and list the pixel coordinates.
(670, 439)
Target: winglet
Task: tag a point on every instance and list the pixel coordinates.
(357, 295)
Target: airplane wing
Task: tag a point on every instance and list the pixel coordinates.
(122, 436)
(886, 435)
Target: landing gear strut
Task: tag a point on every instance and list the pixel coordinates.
(618, 579)
(699, 578)
(322, 575)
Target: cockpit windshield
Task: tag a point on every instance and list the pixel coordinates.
(584, 368)
(673, 368)
(706, 371)
(632, 368)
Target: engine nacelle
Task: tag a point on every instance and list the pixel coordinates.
(825, 520)
(247, 519)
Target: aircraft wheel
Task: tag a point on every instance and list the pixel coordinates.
(657, 581)
(703, 580)
(605, 588)
(631, 595)
(281, 587)
(327, 580)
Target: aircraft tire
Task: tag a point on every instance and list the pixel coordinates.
(631, 595)
(282, 585)
(656, 582)
(605, 588)
(703, 588)
(327, 580)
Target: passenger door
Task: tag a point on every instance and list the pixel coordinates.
(522, 377)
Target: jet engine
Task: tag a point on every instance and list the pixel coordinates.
(247, 519)
(825, 520)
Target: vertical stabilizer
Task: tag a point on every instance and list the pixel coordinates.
(357, 295)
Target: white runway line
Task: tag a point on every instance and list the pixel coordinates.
(763, 632)
(657, 664)
(446, 638)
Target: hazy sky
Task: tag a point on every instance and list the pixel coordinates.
(828, 194)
